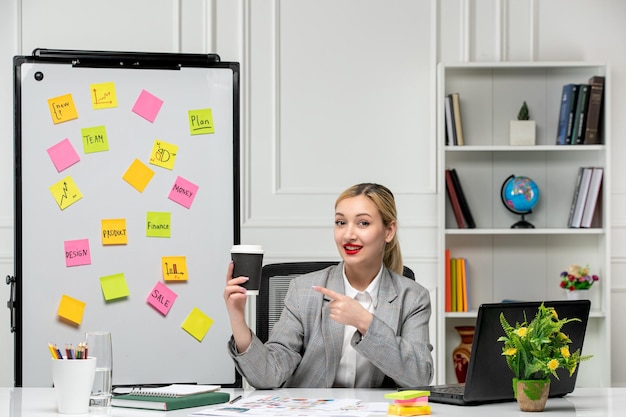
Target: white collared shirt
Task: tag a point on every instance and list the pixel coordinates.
(355, 370)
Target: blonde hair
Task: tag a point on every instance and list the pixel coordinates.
(383, 198)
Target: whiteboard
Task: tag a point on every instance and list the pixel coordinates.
(150, 345)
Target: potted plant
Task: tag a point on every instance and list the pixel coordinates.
(535, 350)
(522, 130)
(577, 281)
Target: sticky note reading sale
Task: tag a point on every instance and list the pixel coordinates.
(77, 252)
(162, 298)
(62, 109)
(71, 309)
(63, 155)
(197, 324)
(183, 192)
(114, 232)
(114, 287)
(138, 175)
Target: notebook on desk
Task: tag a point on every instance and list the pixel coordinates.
(489, 378)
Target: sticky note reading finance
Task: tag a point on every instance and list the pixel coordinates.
(147, 106)
(174, 268)
(183, 192)
(114, 232)
(71, 309)
(114, 287)
(138, 175)
(103, 96)
(162, 298)
(77, 252)
(163, 154)
(63, 155)
(65, 192)
(201, 122)
(62, 109)
(158, 224)
(95, 139)
(197, 324)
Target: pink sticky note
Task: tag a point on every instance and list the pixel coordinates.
(161, 298)
(63, 155)
(77, 252)
(183, 192)
(147, 106)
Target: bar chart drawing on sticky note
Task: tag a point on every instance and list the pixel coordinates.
(174, 268)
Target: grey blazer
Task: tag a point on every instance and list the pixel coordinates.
(304, 348)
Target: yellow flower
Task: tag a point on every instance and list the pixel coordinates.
(565, 352)
(554, 314)
(510, 352)
(553, 364)
(521, 332)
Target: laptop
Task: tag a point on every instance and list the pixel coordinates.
(489, 378)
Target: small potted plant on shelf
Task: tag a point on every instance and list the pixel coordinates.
(535, 350)
(577, 281)
(522, 130)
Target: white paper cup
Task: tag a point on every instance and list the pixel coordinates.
(73, 379)
(248, 261)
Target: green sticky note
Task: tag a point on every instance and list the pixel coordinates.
(201, 122)
(95, 139)
(114, 287)
(158, 224)
(407, 395)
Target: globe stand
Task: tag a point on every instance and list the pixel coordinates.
(523, 224)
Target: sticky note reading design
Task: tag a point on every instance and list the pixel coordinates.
(103, 96)
(77, 252)
(95, 139)
(147, 106)
(114, 232)
(63, 155)
(183, 192)
(71, 309)
(201, 122)
(174, 268)
(138, 175)
(162, 298)
(163, 154)
(197, 324)
(158, 224)
(65, 192)
(62, 109)
(114, 287)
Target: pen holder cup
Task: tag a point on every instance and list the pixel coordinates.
(73, 379)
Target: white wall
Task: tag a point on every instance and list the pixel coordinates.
(334, 92)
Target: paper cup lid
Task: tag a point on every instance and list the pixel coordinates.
(247, 249)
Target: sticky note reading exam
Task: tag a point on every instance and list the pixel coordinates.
(114, 232)
(183, 192)
(174, 268)
(62, 109)
(158, 224)
(77, 252)
(65, 192)
(71, 309)
(197, 324)
(201, 122)
(147, 106)
(163, 154)
(162, 298)
(103, 96)
(63, 155)
(95, 139)
(138, 175)
(114, 287)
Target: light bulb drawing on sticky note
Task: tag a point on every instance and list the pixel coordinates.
(62, 109)
(103, 96)
(174, 268)
(197, 324)
(65, 192)
(71, 309)
(161, 298)
(163, 154)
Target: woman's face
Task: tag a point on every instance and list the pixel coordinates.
(360, 234)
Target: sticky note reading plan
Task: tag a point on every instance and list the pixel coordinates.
(114, 232)
(201, 122)
(197, 324)
(162, 298)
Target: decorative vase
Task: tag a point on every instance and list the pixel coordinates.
(531, 395)
(461, 353)
(522, 132)
(578, 295)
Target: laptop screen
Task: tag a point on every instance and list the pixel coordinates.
(488, 376)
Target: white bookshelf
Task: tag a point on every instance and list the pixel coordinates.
(520, 264)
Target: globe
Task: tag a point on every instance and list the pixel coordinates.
(520, 195)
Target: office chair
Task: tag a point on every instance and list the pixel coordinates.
(275, 280)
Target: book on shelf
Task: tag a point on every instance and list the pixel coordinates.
(448, 290)
(459, 284)
(168, 403)
(575, 195)
(458, 296)
(454, 200)
(591, 203)
(453, 277)
(594, 110)
(580, 116)
(580, 197)
(458, 124)
(566, 114)
(465, 209)
(450, 124)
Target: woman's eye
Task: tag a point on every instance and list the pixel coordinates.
(339, 222)
(364, 223)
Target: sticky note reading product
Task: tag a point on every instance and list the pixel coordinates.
(103, 96)
(65, 192)
(174, 268)
(62, 109)
(162, 298)
(63, 155)
(201, 122)
(138, 175)
(77, 252)
(114, 287)
(197, 324)
(147, 106)
(158, 224)
(183, 192)
(95, 139)
(163, 154)
(114, 232)
(71, 309)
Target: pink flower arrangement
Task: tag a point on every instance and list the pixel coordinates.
(577, 278)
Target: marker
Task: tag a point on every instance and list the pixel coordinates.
(234, 400)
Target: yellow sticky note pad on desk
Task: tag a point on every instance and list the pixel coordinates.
(197, 324)
(399, 410)
(407, 394)
(71, 309)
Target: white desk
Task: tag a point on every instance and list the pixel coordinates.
(588, 402)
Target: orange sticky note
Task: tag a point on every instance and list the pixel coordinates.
(138, 175)
(103, 96)
(174, 268)
(114, 232)
(398, 410)
(62, 108)
(114, 287)
(71, 309)
(197, 324)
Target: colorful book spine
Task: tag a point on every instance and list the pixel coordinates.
(448, 289)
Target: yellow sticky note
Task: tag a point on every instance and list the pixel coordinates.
(201, 122)
(71, 309)
(62, 108)
(163, 154)
(103, 95)
(158, 224)
(398, 410)
(407, 394)
(114, 232)
(65, 192)
(114, 287)
(95, 139)
(197, 324)
(138, 175)
(174, 268)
